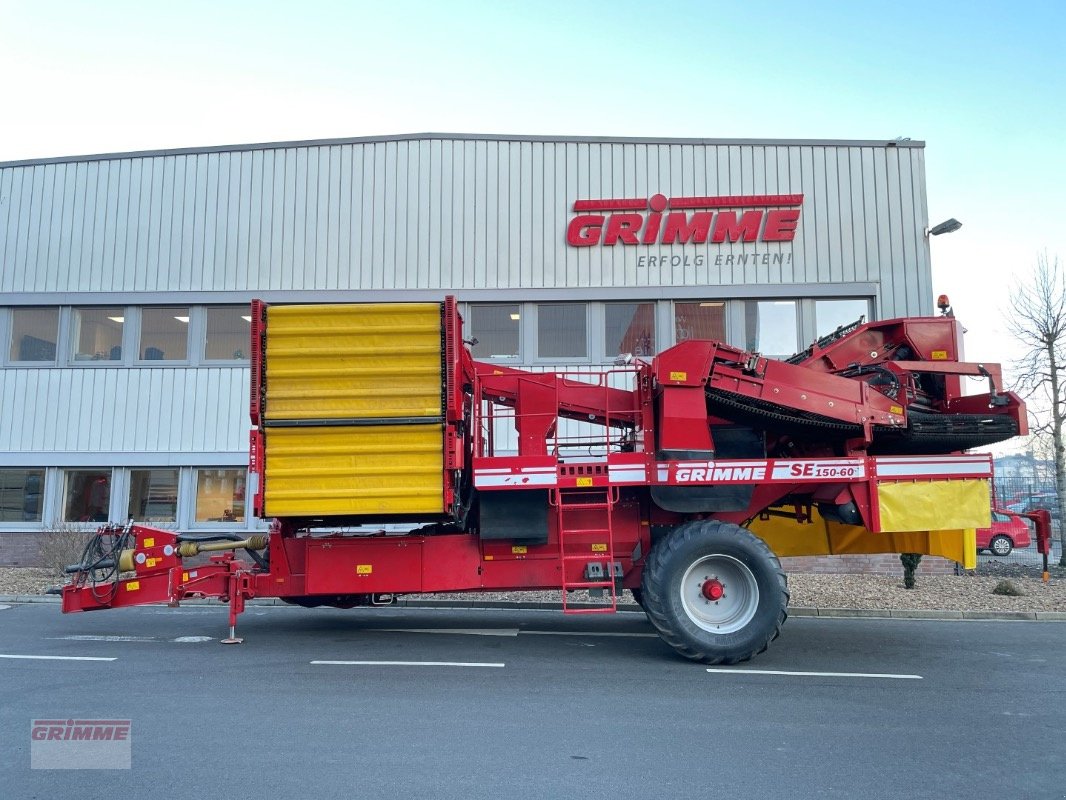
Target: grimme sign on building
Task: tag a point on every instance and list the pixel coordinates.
(689, 220)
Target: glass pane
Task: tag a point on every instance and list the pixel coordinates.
(496, 331)
(770, 327)
(703, 320)
(20, 495)
(87, 495)
(562, 331)
(34, 332)
(229, 331)
(164, 334)
(98, 334)
(154, 494)
(220, 495)
(831, 314)
(629, 328)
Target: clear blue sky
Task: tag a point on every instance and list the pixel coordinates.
(981, 83)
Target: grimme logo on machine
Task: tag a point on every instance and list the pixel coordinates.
(685, 220)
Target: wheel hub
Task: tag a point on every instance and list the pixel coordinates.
(713, 589)
(706, 601)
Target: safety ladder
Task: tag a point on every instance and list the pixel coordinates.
(599, 570)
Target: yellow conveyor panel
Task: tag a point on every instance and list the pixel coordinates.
(354, 470)
(354, 361)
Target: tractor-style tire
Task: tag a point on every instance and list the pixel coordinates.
(715, 592)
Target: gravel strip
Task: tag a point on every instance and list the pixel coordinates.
(862, 592)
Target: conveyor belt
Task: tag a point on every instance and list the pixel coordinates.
(926, 433)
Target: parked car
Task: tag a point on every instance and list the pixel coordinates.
(1007, 532)
(1048, 501)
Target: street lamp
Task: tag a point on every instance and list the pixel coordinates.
(947, 226)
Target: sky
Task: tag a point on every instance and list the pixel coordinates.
(983, 84)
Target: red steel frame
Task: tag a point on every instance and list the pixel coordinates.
(666, 406)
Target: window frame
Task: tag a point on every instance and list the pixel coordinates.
(593, 339)
(201, 329)
(164, 362)
(129, 339)
(7, 337)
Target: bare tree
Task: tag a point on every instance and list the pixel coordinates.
(1038, 322)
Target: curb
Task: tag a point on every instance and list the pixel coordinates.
(633, 608)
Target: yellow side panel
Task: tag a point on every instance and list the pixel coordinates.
(355, 470)
(934, 505)
(822, 537)
(354, 361)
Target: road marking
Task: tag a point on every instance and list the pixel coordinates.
(101, 638)
(60, 658)
(820, 674)
(455, 631)
(4, 608)
(412, 663)
(186, 639)
(590, 633)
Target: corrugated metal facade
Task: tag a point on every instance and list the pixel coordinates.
(437, 213)
(477, 216)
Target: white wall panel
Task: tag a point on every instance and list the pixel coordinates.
(447, 213)
(153, 410)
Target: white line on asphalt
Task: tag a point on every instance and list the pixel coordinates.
(60, 658)
(101, 638)
(4, 608)
(590, 633)
(456, 631)
(820, 674)
(412, 663)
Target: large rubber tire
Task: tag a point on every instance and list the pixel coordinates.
(754, 601)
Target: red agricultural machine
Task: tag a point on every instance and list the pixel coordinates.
(392, 462)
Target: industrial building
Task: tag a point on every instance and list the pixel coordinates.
(125, 280)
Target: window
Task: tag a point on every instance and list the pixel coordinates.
(154, 494)
(831, 314)
(496, 329)
(629, 328)
(562, 331)
(98, 334)
(220, 495)
(229, 332)
(164, 334)
(770, 327)
(20, 495)
(87, 496)
(703, 320)
(34, 332)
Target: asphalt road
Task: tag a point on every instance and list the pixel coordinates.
(574, 706)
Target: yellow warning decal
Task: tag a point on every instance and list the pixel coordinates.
(133, 586)
(185, 577)
(679, 376)
(599, 548)
(149, 542)
(489, 558)
(584, 481)
(364, 569)
(149, 563)
(896, 409)
(939, 355)
(519, 550)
